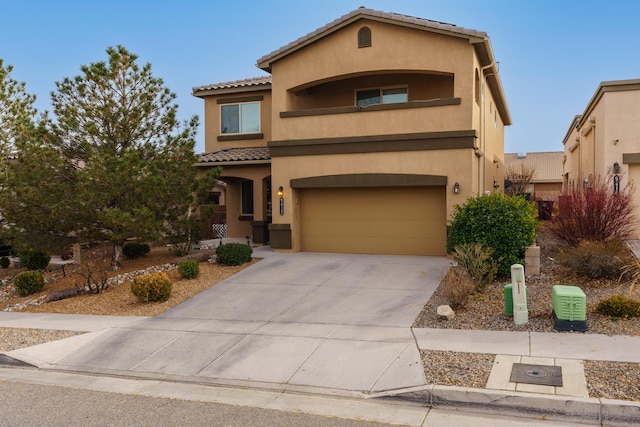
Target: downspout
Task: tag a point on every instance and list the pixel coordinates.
(483, 131)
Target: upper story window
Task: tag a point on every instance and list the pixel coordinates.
(240, 118)
(381, 96)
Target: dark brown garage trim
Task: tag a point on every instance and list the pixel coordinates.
(369, 180)
(375, 144)
(280, 236)
(631, 158)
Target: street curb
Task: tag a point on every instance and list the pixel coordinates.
(548, 407)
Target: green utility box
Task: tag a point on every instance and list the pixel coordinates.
(569, 308)
(508, 298)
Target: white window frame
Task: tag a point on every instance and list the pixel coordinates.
(239, 105)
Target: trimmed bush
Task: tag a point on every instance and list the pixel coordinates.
(28, 282)
(153, 287)
(595, 260)
(505, 224)
(189, 268)
(135, 250)
(457, 287)
(476, 259)
(619, 306)
(34, 259)
(233, 253)
(5, 262)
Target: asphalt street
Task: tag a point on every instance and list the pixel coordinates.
(34, 405)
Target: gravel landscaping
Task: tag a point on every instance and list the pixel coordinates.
(485, 311)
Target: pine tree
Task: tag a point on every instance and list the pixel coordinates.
(117, 164)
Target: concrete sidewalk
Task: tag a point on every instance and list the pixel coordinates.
(327, 324)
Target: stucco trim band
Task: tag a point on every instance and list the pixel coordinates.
(369, 180)
(240, 137)
(631, 158)
(375, 143)
(240, 99)
(376, 107)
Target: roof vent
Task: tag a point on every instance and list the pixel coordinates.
(364, 37)
(522, 155)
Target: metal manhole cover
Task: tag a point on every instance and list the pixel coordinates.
(536, 374)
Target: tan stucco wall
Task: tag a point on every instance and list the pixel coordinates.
(457, 165)
(212, 122)
(337, 56)
(621, 125)
(602, 143)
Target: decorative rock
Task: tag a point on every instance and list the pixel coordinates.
(446, 312)
(61, 294)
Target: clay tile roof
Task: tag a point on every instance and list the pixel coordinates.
(236, 84)
(547, 165)
(363, 12)
(236, 155)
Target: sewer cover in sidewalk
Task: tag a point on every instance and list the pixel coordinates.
(536, 374)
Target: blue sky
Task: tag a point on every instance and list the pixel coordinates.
(552, 53)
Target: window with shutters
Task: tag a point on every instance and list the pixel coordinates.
(364, 37)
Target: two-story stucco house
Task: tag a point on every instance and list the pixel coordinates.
(603, 140)
(362, 138)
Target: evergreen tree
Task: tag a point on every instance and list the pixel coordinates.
(117, 165)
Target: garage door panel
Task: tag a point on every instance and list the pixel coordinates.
(405, 220)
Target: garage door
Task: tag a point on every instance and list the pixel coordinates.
(396, 220)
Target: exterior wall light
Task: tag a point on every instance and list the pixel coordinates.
(456, 188)
(281, 200)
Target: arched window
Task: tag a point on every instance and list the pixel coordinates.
(364, 37)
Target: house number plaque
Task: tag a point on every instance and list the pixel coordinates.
(281, 206)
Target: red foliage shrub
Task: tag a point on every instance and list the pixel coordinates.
(596, 213)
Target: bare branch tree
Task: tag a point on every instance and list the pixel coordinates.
(520, 176)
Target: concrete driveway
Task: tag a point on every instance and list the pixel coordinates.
(332, 321)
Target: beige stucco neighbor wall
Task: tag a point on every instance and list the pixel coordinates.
(606, 133)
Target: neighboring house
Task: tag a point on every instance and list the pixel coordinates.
(363, 138)
(546, 183)
(603, 141)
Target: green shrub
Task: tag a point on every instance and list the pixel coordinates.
(457, 287)
(34, 259)
(505, 224)
(233, 253)
(135, 250)
(5, 262)
(619, 306)
(476, 259)
(189, 268)
(152, 287)
(28, 282)
(595, 260)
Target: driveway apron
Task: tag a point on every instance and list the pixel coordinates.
(337, 321)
